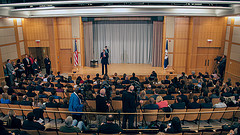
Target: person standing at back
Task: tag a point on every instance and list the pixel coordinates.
(27, 65)
(104, 61)
(47, 63)
(10, 71)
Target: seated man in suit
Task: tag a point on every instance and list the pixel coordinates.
(117, 97)
(207, 103)
(88, 81)
(29, 124)
(152, 105)
(169, 96)
(183, 97)
(166, 81)
(52, 103)
(178, 104)
(149, 90)
(109, 127)
(25, 101)
(126, 81)
(134, 78)
(194, 104)
(97, 77)
(221, 103)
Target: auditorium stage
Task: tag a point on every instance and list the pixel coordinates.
(120, 69)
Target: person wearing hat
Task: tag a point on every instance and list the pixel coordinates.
(109, 127)
(68, 128)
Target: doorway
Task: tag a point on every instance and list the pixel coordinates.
(39, 53)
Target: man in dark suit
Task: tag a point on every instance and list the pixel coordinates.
(166, 81)
(207, 103)
(27, 65)
(104, 61)
(47, 63)
(178, 104)
(107, 51)
(194, 104)
(183, 97)
(35, 67)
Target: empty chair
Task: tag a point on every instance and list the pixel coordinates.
(31, 132)
(47, 132)
(62, 133)
(25, 112)
(229, 115)
(64, 115)
(150, 117)
(205, 116)
(217, 115)
(180, 116)
(191, 116)
(51, 114)
(4, 111)
(117, 104)
(91, 105)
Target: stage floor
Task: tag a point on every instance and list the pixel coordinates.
(120, 69)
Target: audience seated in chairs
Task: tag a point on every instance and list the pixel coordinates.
(169, 92)
(14, 100)
(54, 95)
(221, 103)
(109, 127)
(65, 103)
(178, 104)
(52, 103)
(156, 92)
(126, 81)
(97, 77)
(173, 127)
(134, 78)
(166, 81)
(30, 124)
(118, 96)
(161, 103)
(207, 103)
(194, 104)
(68, 127)
(26, 101)
(3, 131)
(41, 94)
(149, 90)
(143, 95)
(4, 99)
(88, 81)
(12, 121)
(151, 104)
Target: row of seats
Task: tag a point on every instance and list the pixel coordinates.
(154, 116)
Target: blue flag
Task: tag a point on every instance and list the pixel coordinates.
(166, 56)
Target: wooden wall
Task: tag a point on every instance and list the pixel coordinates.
(189, 44)
(58, 34)
(232, 49)
(12, 45)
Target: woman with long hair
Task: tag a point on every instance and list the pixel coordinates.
(12, 121)
(175, 126)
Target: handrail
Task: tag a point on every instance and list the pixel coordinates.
(122, 113)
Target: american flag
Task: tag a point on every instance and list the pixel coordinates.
(75, 54)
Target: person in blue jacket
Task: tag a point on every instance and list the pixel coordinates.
(75, 105)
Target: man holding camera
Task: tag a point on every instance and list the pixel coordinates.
(102, 105)
(129, 106)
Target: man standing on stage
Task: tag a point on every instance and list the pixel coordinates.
(27, 65)
(107, 51)
(104, 61)
(47, 63)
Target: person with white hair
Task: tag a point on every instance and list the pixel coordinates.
(68, 127)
